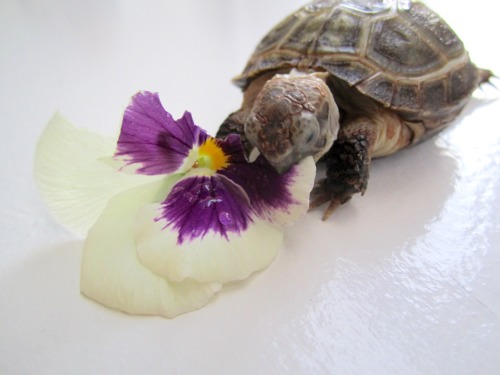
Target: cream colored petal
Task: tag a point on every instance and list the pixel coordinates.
(212, 258)
(113, 275)
(72, 181)
(299, 186)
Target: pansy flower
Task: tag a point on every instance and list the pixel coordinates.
(170, 213)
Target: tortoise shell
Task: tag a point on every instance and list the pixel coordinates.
(399, 53)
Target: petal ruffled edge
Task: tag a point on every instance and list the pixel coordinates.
(112, 274)
(151, 142)
(71, 179)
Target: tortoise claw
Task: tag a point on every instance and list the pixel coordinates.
(334, 203)
(321, 195)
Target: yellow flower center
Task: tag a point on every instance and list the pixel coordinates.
(211, 156)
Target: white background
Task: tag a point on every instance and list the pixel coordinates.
(405, 280)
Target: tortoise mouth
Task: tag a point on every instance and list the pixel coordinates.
(281, 162)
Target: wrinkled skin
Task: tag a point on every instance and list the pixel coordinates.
(293, 116)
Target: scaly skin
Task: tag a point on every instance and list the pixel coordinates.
(234, 124)
(347, 166)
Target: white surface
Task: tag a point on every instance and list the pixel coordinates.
(404, 280)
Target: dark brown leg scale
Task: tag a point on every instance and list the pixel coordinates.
(347, 166)
(234, 124)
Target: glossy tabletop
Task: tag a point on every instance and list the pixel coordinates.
(404, 280)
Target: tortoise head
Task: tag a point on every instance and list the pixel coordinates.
(293, 116)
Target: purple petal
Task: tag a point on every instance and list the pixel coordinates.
(233, 148)
(267, 189)
(151, 138)
(202, 204)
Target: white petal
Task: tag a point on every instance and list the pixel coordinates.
(113, 275)
(73, 182)
(299, 187)
(211, 258)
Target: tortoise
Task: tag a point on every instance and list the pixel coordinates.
(347, 81)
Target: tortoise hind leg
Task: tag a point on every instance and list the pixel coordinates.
(348, 161)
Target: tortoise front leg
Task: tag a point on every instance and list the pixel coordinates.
(347, 166)
(348, 161)
(234, 124)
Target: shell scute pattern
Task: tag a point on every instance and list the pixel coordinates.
(399, 53)
(341, 34)
(448, 42)
(399, 49)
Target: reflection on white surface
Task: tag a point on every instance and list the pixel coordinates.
(403, 280)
